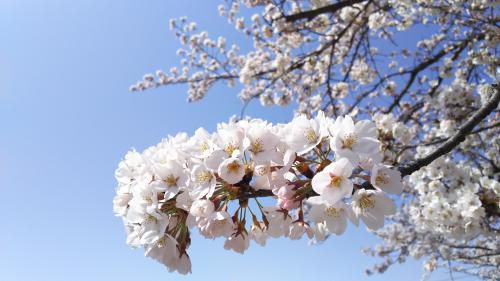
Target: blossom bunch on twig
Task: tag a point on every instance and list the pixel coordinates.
(320, 172)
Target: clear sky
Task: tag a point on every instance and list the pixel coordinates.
(66, 120)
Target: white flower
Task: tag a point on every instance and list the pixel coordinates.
(333, 183)
(279, 223)
(351, 141)
(334, 216)
(183, 201)
(201, 144)
(229, 139)
(386, 179)
(384, 122)
(143, 204)
(121, 200)
(401, 133)
(218, 224)
(238, 243)
(260, 141)
(130, 168)
(287, 159)
(303, 134)
(297, 229)
(232, 170)
(183, 264)
(341, 90)
(133, 231)
(171, 177)
(320, 231)
(202, 208)
(153, 228)
(165, 251)
(202, 182)
(258, 233)
(362, 72)
(280, 63)
(372, 206)
(262, 176)
(367, 162)
(214, 160)
(377, 20)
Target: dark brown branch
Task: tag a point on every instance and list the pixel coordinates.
(407, 115)
(255, 194)
(441, 140)
(422, 66)
(456, 139)
(309, 15)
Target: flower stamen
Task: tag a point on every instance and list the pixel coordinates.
(171, 181)
(333, 212)
(349, 141)
(203, 177)
(335, 181)
(230, 148)
(257, 146)
(233, 167)
(311, 136)
(381, 178)
(366, 202)
(204, 147)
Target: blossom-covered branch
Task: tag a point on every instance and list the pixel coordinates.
(313, 168)
(420, 69)
(459, 136)
(311, 14)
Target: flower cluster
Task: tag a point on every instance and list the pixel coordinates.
(321, 172)
(457, 212)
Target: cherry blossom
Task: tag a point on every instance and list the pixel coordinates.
(342, 64)
(386, 179)
(173, 188)
(371, 207)
(333, 183)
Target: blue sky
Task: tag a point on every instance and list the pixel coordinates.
(66, 120)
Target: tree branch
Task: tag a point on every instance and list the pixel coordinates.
(425, 64)
(459, 137)
(309, 15)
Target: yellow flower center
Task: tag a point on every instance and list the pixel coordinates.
(162, 242)
(233, 167)
(220, 222)
(381, 178)
(150, 219)
(257, 146)
(349, 140)
(204, 147)
(311, 136)
(171, 181)
(230, 148)
(335, 181)
(203, 177)
(263, 170)
(366, 202)
(333, 212)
